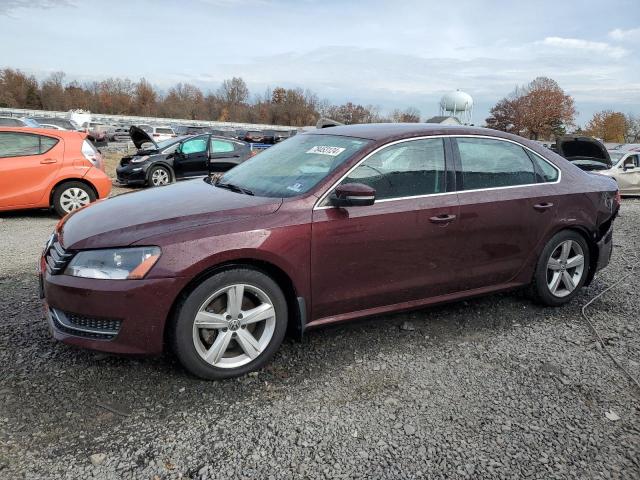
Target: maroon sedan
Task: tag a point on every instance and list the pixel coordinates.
(328, 226)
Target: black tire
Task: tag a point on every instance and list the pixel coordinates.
(162, 172)
(539, 289)
(60, 204)
(181, 328)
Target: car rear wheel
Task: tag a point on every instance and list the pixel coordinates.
(70, 196)
(231, 324)
(159, 176)
(562, 269)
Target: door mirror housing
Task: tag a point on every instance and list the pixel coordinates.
(628, 163)
(353, 195)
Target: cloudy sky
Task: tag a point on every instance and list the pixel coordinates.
(386, 53)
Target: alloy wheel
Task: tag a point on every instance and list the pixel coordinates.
(565, 268)
(160, 177)
(234, 326)
(74, 198)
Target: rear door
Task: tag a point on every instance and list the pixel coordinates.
(507, 206)
(192, 159)
(397, 250)
(223, 154)
(28, 166)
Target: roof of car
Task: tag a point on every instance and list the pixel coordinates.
(381, 131)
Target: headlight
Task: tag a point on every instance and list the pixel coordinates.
(141, 159)
(114, 264)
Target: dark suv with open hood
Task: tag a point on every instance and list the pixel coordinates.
(160, 163)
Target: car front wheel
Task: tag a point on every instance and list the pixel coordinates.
(231, 324)
(159, 176)
(562, 268)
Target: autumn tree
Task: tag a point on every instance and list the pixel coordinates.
(233, 95)
(632, 134)
(540, 109)
(409, 115)
(52, 92)
(19, 90)
(145, 99)
(184, 101)
(608, 126)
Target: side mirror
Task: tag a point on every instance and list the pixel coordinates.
(628, 163)
(353, 195)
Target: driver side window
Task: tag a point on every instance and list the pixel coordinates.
(406, 169)
(194, 145)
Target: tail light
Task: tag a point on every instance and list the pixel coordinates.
(618, 198)
(90, 153)
(253, 153)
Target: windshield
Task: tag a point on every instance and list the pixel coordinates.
(293, 167)
(616, 156)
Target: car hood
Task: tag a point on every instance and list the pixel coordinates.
(140, 137)
(585, 152)
(128, 218)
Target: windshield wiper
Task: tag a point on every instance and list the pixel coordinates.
(234, 188)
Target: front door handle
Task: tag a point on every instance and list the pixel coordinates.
(48, 160)
(442, 219)
(541, 207)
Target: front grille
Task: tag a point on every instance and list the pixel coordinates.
(57, 257)
(99, 328)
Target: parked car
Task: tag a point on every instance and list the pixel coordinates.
(253, 136)
(160, 134)
(160, 163)
(329, 226)
(61, 123)
(625, 171)
(41, 168)
(18, 122)
(97, 133)
(586, 153)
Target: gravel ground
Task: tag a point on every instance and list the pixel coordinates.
(495, 387)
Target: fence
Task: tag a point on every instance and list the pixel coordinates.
(133, 120)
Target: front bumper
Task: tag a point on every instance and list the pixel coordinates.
(116, 316)
(131, 174)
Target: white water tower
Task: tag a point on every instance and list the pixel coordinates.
(457, 104)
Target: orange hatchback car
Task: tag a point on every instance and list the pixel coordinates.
(42, 168)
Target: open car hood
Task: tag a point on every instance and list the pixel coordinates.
(586, 153)
(140, 137)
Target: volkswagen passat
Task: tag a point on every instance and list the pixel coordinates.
(329, 226)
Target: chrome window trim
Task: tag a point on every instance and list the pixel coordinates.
(426, 137)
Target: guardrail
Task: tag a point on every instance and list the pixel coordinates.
(130, 119)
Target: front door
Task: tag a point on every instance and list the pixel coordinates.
(28, 165)
(192, 158)
(629, 179)
(507, 205)
(398, 250)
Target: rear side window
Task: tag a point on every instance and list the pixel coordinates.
(24, 144)
(406, 169)
(489, 163)
(549, 172)
(220, 146)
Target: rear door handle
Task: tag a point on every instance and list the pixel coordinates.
(541, 207)
(48, 160)
(441, 219)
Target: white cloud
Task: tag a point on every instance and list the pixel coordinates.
(621, 35)
(586, 46)
(7, 7)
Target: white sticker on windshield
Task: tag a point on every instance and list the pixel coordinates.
(324, 150)
(296, 187)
